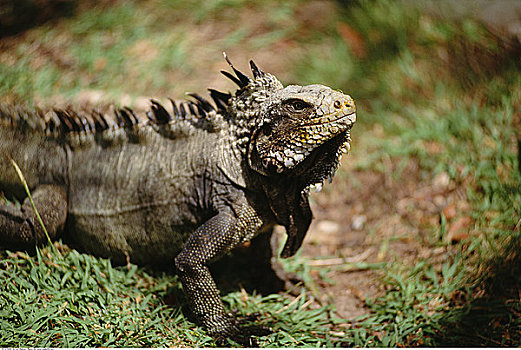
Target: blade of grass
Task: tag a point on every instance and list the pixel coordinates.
(22, 179)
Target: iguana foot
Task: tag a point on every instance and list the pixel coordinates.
(242, 330)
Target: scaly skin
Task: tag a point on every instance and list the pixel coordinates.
(191, 184)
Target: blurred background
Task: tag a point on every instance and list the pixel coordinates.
(416, 242)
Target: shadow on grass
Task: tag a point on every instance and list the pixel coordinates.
(21, 15)
(250, 267)
(253, 268)
(493, 317)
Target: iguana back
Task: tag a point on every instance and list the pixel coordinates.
(131, 190)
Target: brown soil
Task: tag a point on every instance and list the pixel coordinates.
(368, 216)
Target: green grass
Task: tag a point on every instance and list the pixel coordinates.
(419, 79)
(82, 301)
(79, 300)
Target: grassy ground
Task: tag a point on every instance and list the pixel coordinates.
(433, 179)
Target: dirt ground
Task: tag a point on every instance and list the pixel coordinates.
(370, 217)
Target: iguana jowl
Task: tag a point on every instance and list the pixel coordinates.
(189, 184)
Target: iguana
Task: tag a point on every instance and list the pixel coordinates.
(185, 185)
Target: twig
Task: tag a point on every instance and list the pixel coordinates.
(307, 303)
(340, 261)
(244, 294)
(290, 304)
(489, 339)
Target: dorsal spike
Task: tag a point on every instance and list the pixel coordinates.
(125, 117)
(150, 116)
(220, 98)
(203, 103)
(86, 124)
(244, 80)
(51, 125)
(131, 112)
(74, 121)
(161, 116)
(119, 118)
(182, 109)
(257, 73)
(192, 108)
(200, 110)
(175, 109)
(69, 123)
(100, 123)
(65, 124)
(232, 78)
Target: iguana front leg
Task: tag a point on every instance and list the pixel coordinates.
(212, 239)
(19, 227)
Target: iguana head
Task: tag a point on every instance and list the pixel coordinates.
(294, 130)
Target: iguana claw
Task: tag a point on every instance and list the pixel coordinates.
(243, 332)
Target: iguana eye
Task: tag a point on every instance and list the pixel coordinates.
(266, 129)
(298, 105)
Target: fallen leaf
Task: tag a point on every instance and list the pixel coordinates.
(450, 211)
(459, 230)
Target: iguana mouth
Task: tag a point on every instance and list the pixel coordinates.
(340, 118)
(323, 162)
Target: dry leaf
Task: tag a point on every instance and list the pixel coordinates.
(459, 230)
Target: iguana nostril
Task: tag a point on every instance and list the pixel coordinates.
(337, 104)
